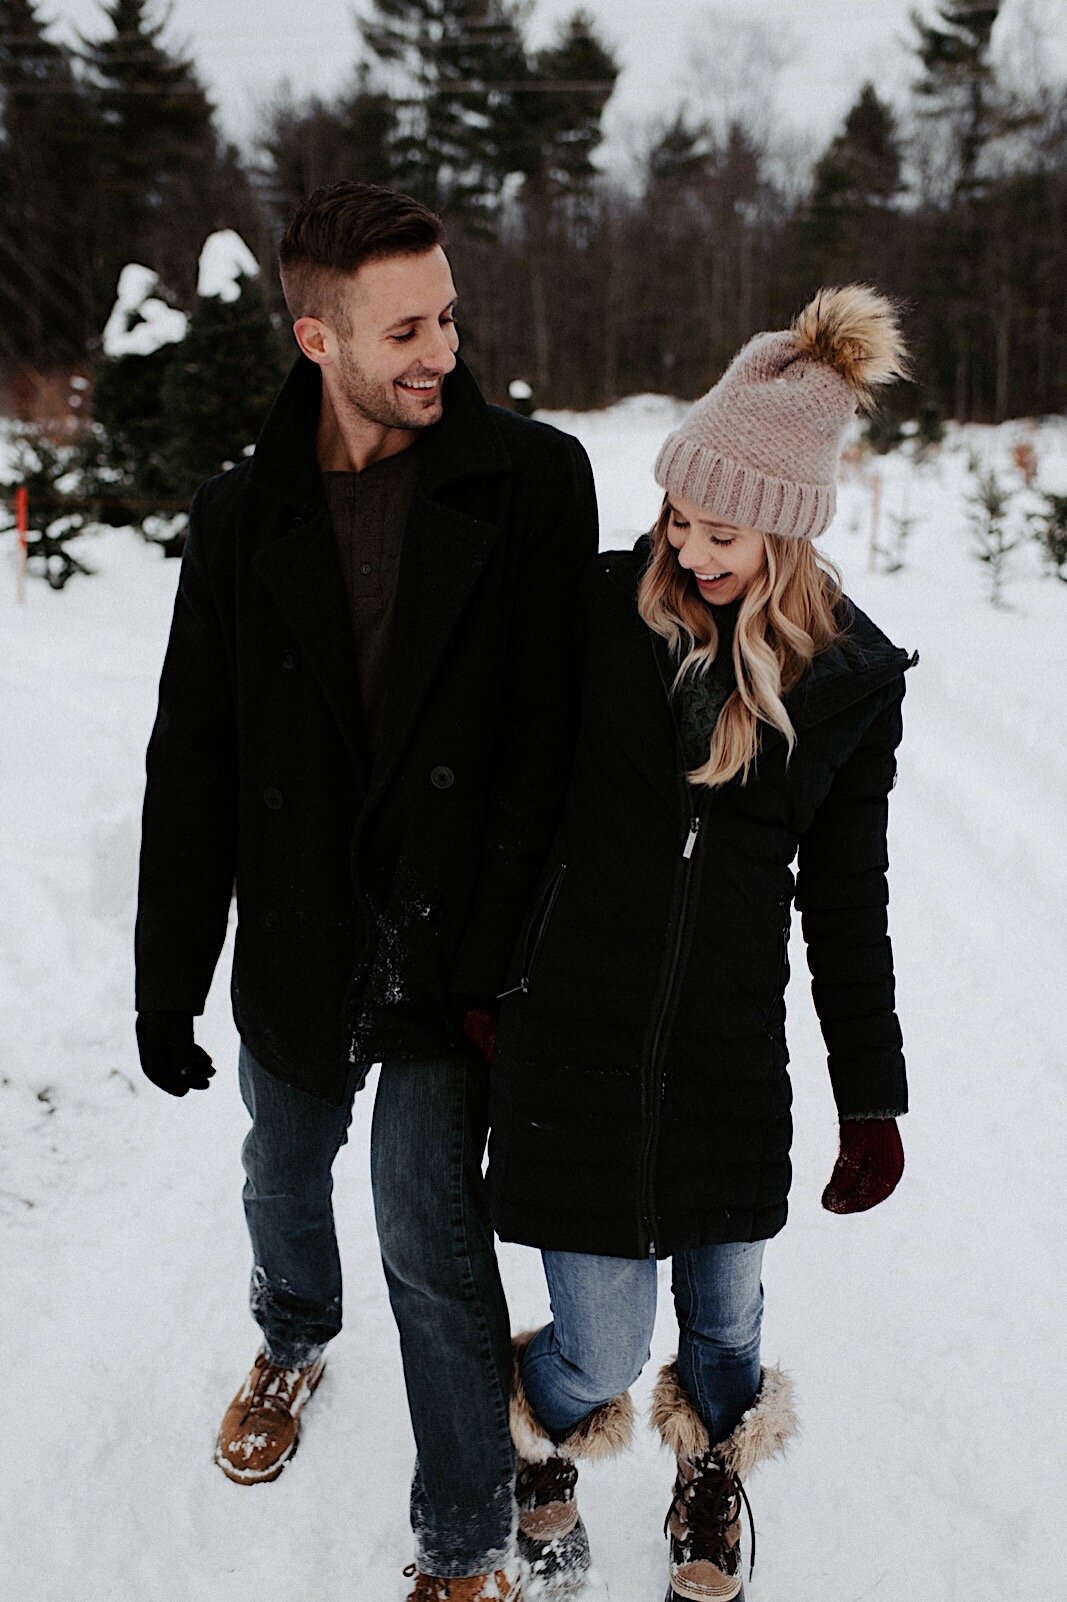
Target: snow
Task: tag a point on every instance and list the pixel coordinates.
(224, 261)
(924, 1338)
(141, 321)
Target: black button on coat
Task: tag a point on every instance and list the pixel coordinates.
(640, 1099)
(370, 904)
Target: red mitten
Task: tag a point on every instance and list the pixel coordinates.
(479, 1026)
(868, 1167)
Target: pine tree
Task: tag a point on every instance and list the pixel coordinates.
(957, 85)
(46, 197)
(846, 230)
(459, 68)
(312, 142)
(170, 180)
(218, 387)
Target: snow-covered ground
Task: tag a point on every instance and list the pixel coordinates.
(925, 1338)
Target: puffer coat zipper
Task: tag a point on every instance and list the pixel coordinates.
(652, 1069)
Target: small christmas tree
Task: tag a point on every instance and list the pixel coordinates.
(989, 504)
(219, 388)
(1050, 531)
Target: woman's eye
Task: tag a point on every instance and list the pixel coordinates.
(677, 522)
(716, 540)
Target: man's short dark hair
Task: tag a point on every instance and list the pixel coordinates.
(337, 230)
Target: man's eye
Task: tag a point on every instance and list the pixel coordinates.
(402, 339)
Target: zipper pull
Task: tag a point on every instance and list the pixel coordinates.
(523, 986)
(691, 840)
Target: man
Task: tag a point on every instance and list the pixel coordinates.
(366, 714)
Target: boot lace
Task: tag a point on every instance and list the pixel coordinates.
(262, 1397)
(538, 1484)
(706, 1506)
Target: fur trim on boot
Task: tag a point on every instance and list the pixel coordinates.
(607, 1430)
(761, 1434)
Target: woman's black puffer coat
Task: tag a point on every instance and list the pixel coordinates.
(640, 1099)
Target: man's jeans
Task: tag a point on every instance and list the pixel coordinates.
(603, 1312)
(427, 1140)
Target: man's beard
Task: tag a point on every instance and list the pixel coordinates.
(378, 401)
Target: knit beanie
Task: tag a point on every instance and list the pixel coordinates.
(760, 449)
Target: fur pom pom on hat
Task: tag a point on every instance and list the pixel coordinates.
(760, 449)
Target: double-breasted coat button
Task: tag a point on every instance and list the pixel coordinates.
(441, 778)
(289, 660)
(272, 798)
(270, 921)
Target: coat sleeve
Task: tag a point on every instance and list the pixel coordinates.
(536, 732)
(189, 823)
(843, 898)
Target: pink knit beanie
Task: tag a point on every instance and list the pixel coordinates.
(760, 449)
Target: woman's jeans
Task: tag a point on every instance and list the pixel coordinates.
(603, 1312)
(427, 1140)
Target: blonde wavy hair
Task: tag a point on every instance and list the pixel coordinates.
(786, 618)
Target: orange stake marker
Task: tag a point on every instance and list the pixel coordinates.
(22, 529)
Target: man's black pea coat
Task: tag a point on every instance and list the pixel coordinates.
(640, 1100)
(378, 892)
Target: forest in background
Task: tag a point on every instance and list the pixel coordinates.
(591, 281)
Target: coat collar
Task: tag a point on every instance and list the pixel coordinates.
(466, 443)
(861, 661)
(443, 553)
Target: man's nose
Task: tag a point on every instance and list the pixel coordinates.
(440, 356)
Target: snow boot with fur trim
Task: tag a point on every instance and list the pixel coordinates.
(261, 1426)
(553, 1545)
(704, 1519)
(478, 1588)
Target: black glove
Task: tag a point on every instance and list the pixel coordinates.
(169, 1056)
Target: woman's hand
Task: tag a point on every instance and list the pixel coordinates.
(868, 1167)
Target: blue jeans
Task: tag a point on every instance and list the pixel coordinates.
(603, 1312)
(427, 1141)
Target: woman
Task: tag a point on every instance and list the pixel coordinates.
(738, 709)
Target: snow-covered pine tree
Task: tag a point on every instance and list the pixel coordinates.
(988, 516)
(223, 377)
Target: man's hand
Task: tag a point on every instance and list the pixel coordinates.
(169, 1056)
(868, 1167)
(479, 1027)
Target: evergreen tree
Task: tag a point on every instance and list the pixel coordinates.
(957, 84)
(843, 232)
(169, 179)
(459, 69)
(313, 142)
(218, 387)
(46, 198)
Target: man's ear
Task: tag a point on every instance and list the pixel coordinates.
(314, 340)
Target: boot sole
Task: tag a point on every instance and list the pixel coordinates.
(239, 1476)
(678, 1596)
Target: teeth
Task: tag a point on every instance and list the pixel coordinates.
(707, 578)
(411, 383)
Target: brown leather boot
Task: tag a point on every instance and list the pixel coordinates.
(704, 1519)
(260, 1428)
(553, 1544)
(478, 1588)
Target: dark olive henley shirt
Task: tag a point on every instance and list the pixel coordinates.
(368, 515)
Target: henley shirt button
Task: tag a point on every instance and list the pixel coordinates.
(366, 570)
(270, 921)
(289, 660)
(272, 798)
(441, 778)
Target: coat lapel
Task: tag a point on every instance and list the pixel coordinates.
(445, 549)
(302, 571)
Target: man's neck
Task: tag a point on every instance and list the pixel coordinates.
(346, 442)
